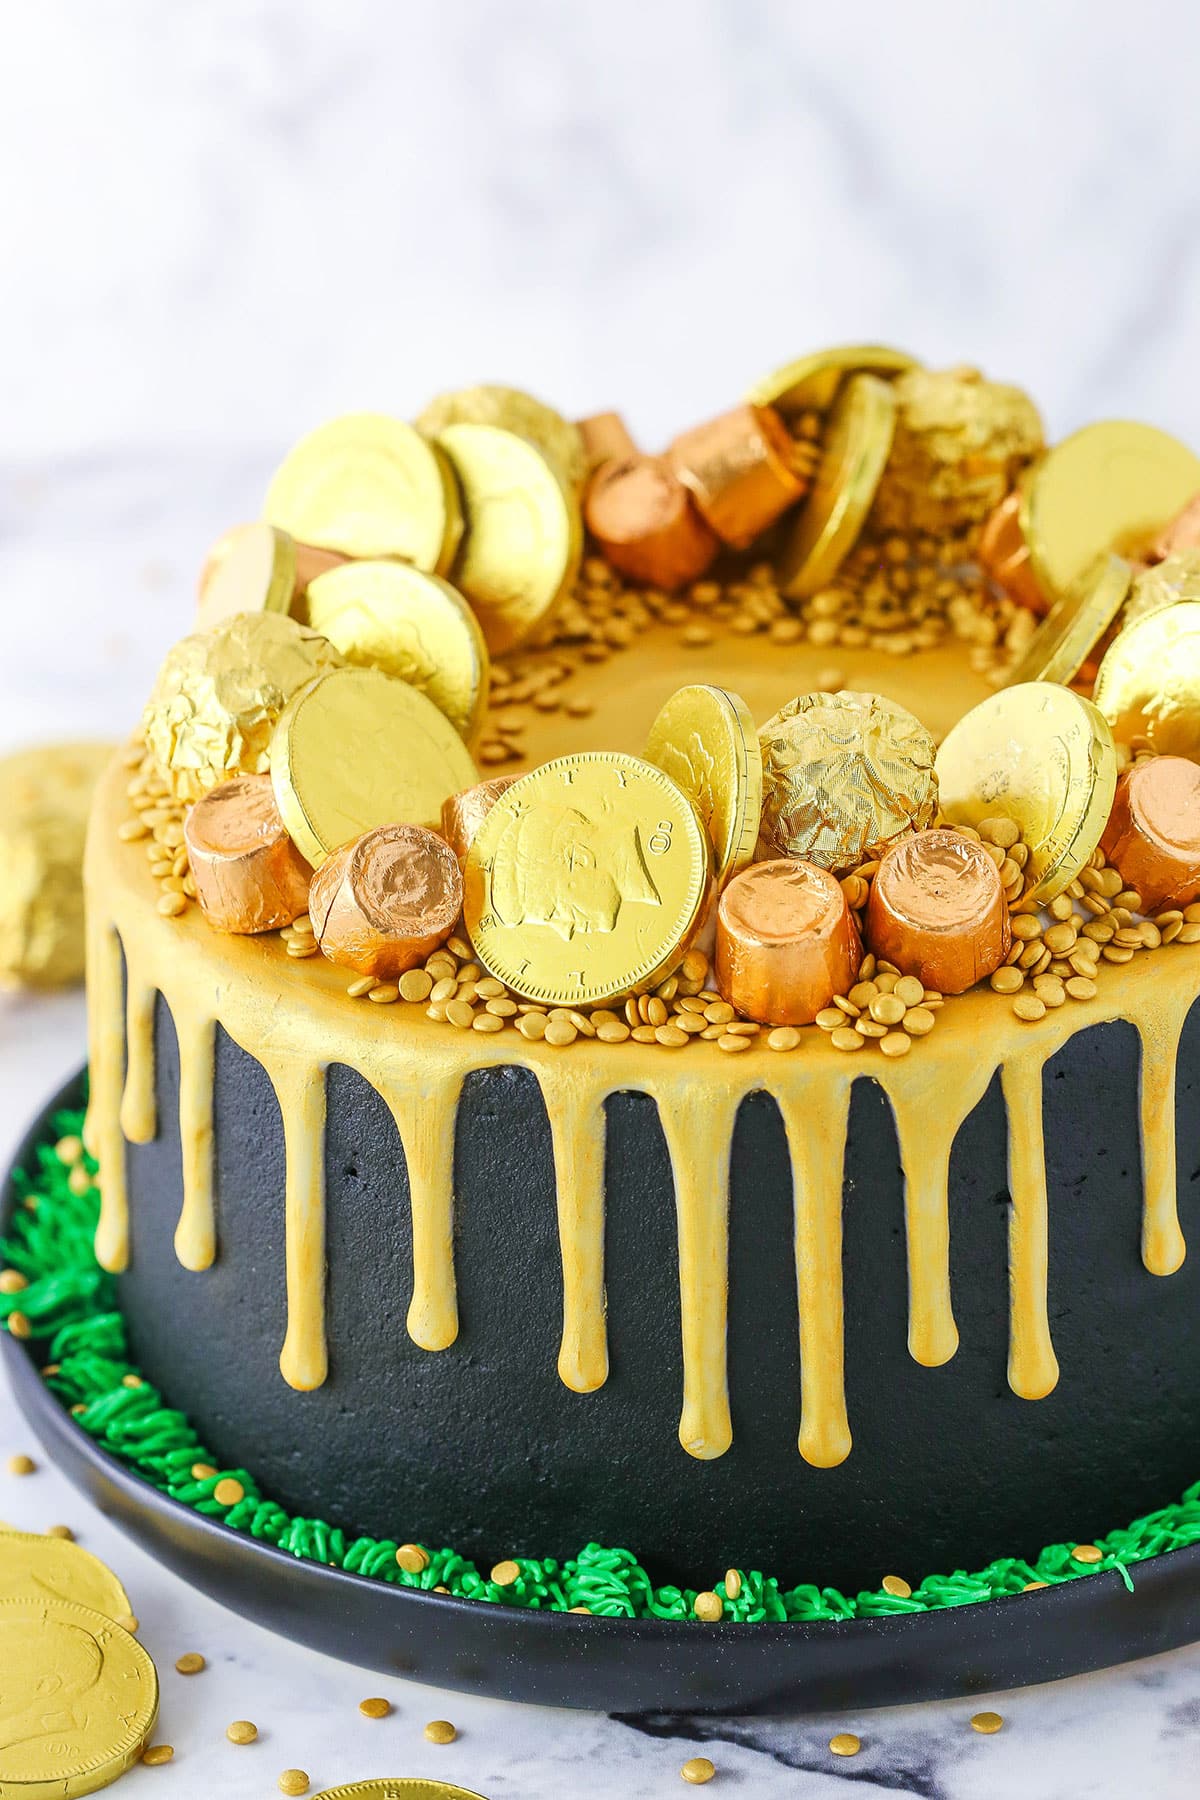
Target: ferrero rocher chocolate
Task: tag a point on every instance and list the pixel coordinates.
(844, 776)
(741, 471)
(1152, 837)
(383, 903)
(1148, 687)
(386, 615)
(937, 911)
(786, 942)
(356, 749)
(960, 443)
(587, 880)
(704, 739)
(218, 694)
(45, 797)
(1004, 555)
(512, 410)
(1044, 757)
(647, 524)
(854, 452)
(249, 875)
(1074, 625)
(463, 814)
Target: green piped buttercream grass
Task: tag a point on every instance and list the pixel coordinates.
(71, 1306)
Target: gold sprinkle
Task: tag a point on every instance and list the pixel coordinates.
(202, 1471)
(383, 993)
(1087, 1553)
(844, 1743)
(19, 1326)
(909, 991)
(61, 1531)
(190, 1663)
(709, 1607)
(157, 1754)
(12, 1281)
(242, 1731)
(505, 1573)
(363, 985)
(732, 1043)
(416, 984)
(697, 1770)
(129, 1622)
(21, 1465)
(79, 1181)
(1031, 1586)
(229, 1492)
(293, 1781)
(441, 1731)
(784, 1037)
(987, 1723)
(847, 1039)
(561, 1032)
(1028, 1008)
(375, 1708)
(132, 1381)
(896, 1043)
(171, 905)
(896, 1586)
(918, 1021)
(69, 1150)
(733, 1584)
(412, 1558)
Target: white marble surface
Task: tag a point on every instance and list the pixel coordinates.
(223, 223)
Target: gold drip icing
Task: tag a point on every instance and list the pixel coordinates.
(296, 1021)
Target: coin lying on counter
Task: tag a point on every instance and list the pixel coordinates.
(523, 535)
(386, 615)
(398, 1787)
(858, 437)
(43, 1568)
(704, 739)
(811, 383)
(1074, 625)
(1045, 757)
(1148, 686)
(369, 485)
(356, 749)
(45, 798)
(79, 1699)
(513, 410)
(383, 903)
(587, 880)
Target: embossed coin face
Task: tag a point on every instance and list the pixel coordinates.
(1149, 682)
(811, 382)
(369, 485)
(1043, 756)
(386, 615)
(1074, 625)
(704, 739)
(523, 534)
(513, 410)
(78, 1699)
(356, 749)
(251, 569)
(399, 1787)
(56, 1569)
(587, 879)
(858, 437)
(1111, 486)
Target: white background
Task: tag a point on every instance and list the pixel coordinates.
(220, 223)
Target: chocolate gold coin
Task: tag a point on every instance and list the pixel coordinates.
(587, 880)
(704, 739)
(46, 1568)
(399, 1787)
(45, 798)
(369, 485)
(78, 1700)
(389, 616)
(252, 569)
(858, 437)
(1074, 625)
(357, 748)
(1111, 486)
(523, 534)
(1044, 757)
(1148, 687)
(513, 410)
(811, 382)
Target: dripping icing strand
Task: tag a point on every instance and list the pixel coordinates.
(1032, 1364)
(105, 994)
(1163, 1247)
(575, 1109)
(816, 1143)
(196, 1232)
(424, 1114)
(139, 1120)
(304, 1360)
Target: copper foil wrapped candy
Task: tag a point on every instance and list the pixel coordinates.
(844, 776)
(219, 694)
(937, 911)
(383, 903)
(249, 875)
(464, 813)
(647, 524)
(741, 471)
(1152, 837)
(786, 942)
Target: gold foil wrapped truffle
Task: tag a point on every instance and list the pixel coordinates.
(844, 776)
(45, 797)
(219, 693)
(960, 443)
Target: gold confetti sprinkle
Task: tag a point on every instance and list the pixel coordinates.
(505, 1573)
(293, 1781)
(61, 1531)
(709, 1607)
(12, 1281)
(19, 1326)
(1087, 1553)
(190, 1663)
(128, 1622)
(412, 1559)
(157, 1754)
(697, 1770)
(202, 1471)
(242, 1731)
(896, 1586)
(21, 1465)
(441, 1731)
(375, 1707)
(229, 1492)
(987, 1723)
(844, 1743)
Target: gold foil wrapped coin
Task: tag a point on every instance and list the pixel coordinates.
(523, 538)
(249, 875)
(937, 911)
(561, 440)
(1111, 486)
(646, 522)
(1074, 625)
(1152, 838)
(854, 453)
(811, 383)
(1177, 577)
(740, 469)
(786, 942)
(463, 814)
(960, 443)
(383, 903)
(1044, 757)
(257, 568)
(386, 615)
(218, 694)
(45, 799)
(1148, 687)
(704, 739)
(396, 1787)
(356, 749)
(80, 1697)
(1180, 533)
(369, 485)
(844, 776)
(587, 880)
(46, 1568)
